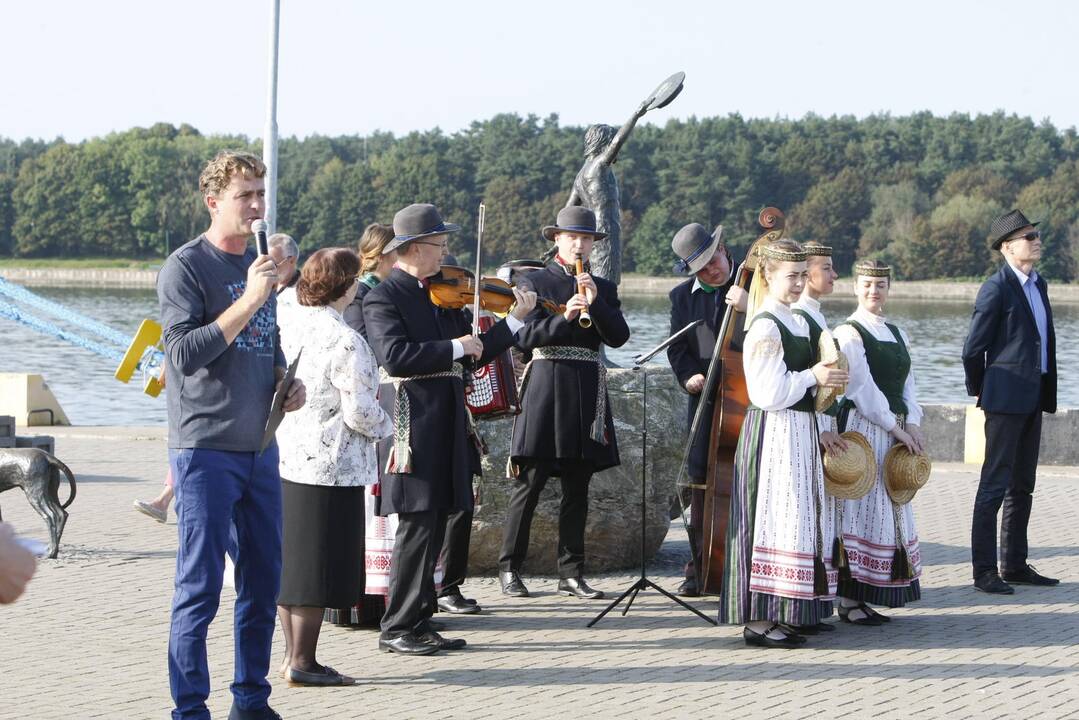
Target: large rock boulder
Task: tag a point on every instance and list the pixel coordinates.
(612, 535)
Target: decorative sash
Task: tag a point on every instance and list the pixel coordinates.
(572, 352)
(400, 459)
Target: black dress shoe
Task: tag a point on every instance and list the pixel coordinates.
(808, 629)
(407, 645)
(754, 639)
(265, 713)
(577, 587)
(991, 583)
(433, 638)
(327, 677)
(688, 588)
(457, 605)
(869, 618)
(1029, 576)
(511, 584)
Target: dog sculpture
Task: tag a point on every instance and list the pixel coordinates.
(38, 474)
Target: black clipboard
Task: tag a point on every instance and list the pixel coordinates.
(277, 407)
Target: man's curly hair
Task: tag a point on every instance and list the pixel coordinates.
(218, 173)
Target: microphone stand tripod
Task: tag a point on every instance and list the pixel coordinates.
(643, 583)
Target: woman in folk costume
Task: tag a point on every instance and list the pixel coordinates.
(879, 536)
(778, 549)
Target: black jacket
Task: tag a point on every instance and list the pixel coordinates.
(353, 314)
(410, 336)
(692, 354)
(1002, 353)
(559, 403)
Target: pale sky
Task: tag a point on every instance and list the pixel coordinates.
(78, 69)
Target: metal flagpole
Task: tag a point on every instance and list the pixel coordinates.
(269, 135)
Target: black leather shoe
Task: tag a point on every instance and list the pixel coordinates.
(809, 629)
(577, 587)
(991, 583)
(868, 618)
(432, 638)
(458, 605)
(407, 645)
(790, 642)
(327, 677)
(1029, 576)
(266, 713)
(511, 584)
(688, 588)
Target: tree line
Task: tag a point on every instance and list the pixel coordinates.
(917, 191)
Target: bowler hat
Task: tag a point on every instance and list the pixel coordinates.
(574, 219)
(1007, 224)
(416, 221)
(694, 247)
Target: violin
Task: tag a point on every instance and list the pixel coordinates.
(456, 287)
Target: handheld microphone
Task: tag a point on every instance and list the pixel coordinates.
(259, 227)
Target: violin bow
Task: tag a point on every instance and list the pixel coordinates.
(479, 261)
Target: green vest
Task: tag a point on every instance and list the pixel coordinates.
(815, 332)
(889, 364)
(797, 356)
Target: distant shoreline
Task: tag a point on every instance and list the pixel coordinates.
(631, 284)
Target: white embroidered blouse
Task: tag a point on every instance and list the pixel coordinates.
(331, 439)
(861, 389)
(771, 386)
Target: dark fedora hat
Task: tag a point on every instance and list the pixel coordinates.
(416, 221)
(694, 247)
(574, 219)
(1007, 224)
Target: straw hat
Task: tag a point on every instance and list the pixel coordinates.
(833, 357)
(851, 474)
(904, 473)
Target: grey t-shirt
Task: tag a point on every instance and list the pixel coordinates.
(218, 394)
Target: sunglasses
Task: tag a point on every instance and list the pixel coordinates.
(1029, 237)
(433, 244)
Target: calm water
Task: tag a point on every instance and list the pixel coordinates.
(84, 384)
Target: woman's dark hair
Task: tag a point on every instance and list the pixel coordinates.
(327, 276)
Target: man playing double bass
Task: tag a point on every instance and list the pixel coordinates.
(705, 296)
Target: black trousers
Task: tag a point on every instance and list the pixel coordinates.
(1011, 460)
(455, 551)
(696, 529)
(572, 515)
(412, 572)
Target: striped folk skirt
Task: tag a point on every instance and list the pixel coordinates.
(869, 533)
(780, 522)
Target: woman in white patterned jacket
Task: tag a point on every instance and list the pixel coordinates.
(327, 457)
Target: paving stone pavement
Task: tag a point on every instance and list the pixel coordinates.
(89, 638)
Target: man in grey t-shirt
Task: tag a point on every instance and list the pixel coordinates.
(223, 363)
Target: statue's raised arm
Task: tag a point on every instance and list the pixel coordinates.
(595, 186)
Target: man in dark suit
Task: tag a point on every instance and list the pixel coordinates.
(565, 428)
(433, 457)
(705, 296)
(1010, 362)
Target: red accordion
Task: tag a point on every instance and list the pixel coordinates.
(493, 392)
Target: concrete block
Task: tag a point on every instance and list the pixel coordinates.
(974, 434)
(942, 426)
(42, 442)
(28, 398)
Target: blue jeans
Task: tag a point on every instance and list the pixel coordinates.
(218, 493)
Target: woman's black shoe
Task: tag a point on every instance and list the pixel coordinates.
(324, 678)
(754, 639)
(870, 618)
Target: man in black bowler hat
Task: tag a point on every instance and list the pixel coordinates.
(433, 457)
(565, 428)
(1010, 363)
(704, 296)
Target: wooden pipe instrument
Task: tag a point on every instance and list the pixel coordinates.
(584, 319)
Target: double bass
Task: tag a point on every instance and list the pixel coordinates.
(725, 395)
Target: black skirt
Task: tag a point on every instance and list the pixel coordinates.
(322, 545)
